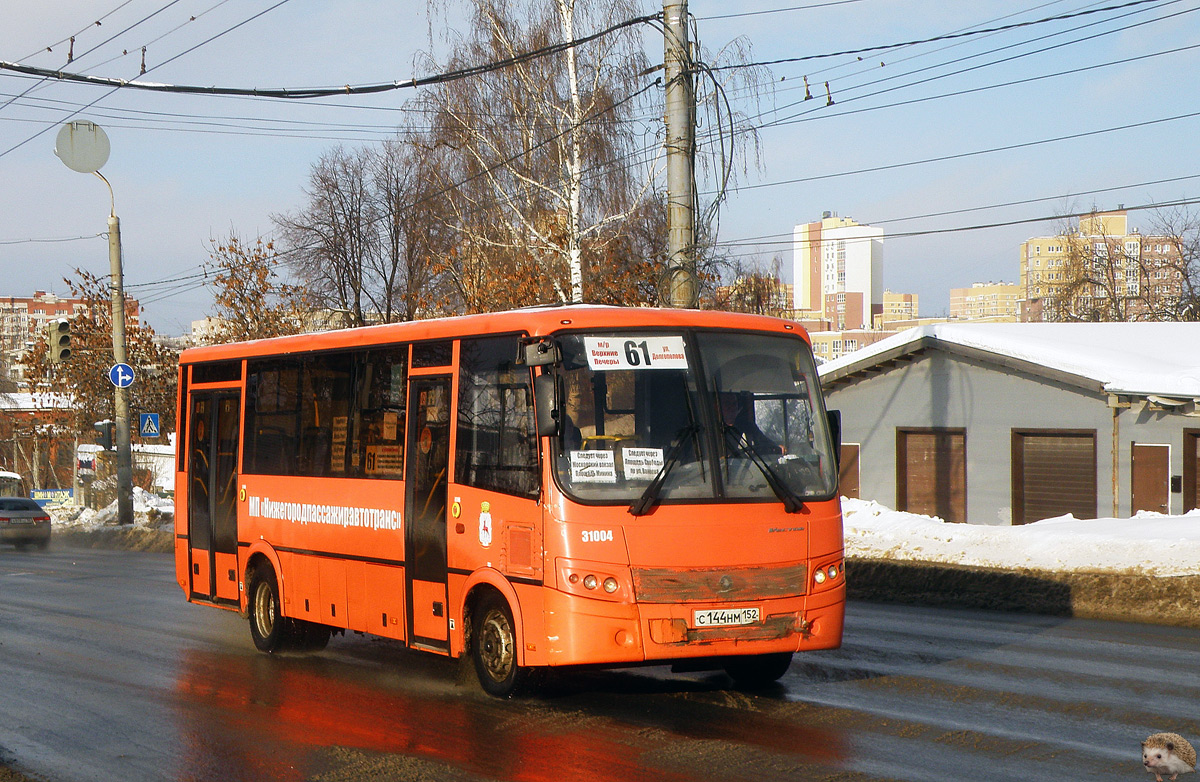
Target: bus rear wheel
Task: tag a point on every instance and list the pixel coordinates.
(494, 649)
(758, 670)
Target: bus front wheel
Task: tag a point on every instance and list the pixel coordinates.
(494, 648)
(758, 670)
(270, 629)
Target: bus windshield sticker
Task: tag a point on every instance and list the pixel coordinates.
(641, 464)
(593, 467)
(650, 352)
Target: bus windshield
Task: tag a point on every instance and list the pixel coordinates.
(693, 415)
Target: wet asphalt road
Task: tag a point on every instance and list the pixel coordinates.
(106, 673)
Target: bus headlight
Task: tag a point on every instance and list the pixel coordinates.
(596, 580)
(827, 574)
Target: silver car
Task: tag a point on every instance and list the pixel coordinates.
(23, 523)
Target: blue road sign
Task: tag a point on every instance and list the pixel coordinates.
(121, 375)
(148, 424)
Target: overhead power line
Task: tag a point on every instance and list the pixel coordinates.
(323, 92)
(227, 30)
(786, 238)
(1190, 201)
(946, 37)
(843, 90)
(50, 241)
(777, 10)
(90, 25)
(973, 153)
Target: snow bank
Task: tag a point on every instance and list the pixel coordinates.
(149, 510)
(1149, 543)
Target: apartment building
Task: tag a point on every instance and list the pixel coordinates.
(897, 307)
(838, 272)
(1101, 270)
(23, 320)
(991, 301)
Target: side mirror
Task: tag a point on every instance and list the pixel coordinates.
(835, 433)
(541, 353)
(545, 399)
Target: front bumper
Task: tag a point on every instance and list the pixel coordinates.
(583, 631)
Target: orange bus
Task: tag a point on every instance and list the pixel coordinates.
(557, 486)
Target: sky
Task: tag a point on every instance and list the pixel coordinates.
(186, 170)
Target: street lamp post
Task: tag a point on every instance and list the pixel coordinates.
(83, 147)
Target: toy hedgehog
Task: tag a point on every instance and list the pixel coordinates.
(1168, 753)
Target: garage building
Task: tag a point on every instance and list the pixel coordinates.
(1008, 423)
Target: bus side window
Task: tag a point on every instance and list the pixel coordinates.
(497, 437)
(324, 411)
(272, 407)
(377, 450)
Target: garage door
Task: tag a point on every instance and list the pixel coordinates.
(1054, 473)
(931, 472)
(848, 471)
(1191, 475)
(1150, 477)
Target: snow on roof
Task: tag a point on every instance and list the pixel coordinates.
(1134, 359)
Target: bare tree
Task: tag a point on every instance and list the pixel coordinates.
(1108, 277)
(541, 167)
(332, 241)
(413, 239)
(754, 289)
(1175, 284)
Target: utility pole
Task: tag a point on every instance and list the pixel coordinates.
(681, 157)
(121, 401)
(83, 146)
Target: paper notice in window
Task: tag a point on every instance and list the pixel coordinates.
(389, 426)
(384, 460)
(641, 464)
(593, 467)
(337, 453)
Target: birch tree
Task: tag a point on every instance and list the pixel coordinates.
(543, 168)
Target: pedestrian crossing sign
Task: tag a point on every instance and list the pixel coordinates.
(148, 424)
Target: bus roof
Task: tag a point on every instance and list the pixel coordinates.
(537, 321)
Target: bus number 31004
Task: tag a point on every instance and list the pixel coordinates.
(597, 535)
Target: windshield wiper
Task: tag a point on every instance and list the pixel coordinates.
(649, 497)
(791, 503)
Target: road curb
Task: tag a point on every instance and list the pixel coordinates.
(1168, 600)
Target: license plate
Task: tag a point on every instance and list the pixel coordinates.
(725, 617)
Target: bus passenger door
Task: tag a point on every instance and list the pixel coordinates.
(212, 495)
(425, 511)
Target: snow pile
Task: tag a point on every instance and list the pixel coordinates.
(1150, 543)
(149, 510)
